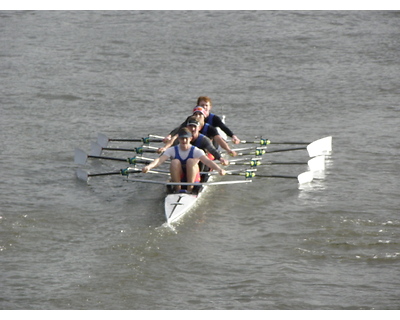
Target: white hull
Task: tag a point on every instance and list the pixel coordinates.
(178, 204)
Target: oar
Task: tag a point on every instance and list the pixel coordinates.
(305, 177)
(315, 148)
(96, 149)
(166, 183)
(81, 158)
(83, 175)
(265, 142)
(315, 164)
(103, 140)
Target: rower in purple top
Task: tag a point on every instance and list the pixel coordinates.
(185, 160)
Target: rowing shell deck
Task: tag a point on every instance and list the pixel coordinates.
(177, 204)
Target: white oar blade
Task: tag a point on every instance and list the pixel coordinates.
(82, 175)
(95, 149)
(102, 140)
(317, 163)
(80, 156)
(305, 177)
(319, 147)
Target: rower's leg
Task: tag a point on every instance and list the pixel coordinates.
(192, 171)
(176, 172)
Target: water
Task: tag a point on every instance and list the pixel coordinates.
(65, 76)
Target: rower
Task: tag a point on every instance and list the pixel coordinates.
(184, 161)
(214, 120)
(210, 118)
(199, 140)
(208, 130)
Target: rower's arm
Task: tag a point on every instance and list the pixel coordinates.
(168, 144)
(224, 145)
(206, 144)
(212, 165)
(217, 122)
(155, 163)
(175, 131)
(171, 142)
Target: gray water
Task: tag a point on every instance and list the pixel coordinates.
(66, 76)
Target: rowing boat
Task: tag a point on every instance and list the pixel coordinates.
(176, 205)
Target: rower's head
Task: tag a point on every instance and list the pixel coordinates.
(204, 102)
(184, 136)
(194, 125)
(200, 113)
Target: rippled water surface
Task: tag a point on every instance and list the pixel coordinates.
(66, 76)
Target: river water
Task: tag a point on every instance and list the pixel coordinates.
(272, 245)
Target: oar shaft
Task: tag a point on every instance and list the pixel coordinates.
(144, 140)
(131, 150)
(264, 175)
(275, 176)
(270, 163)
(304, 177)
(266, 142)
(103, 174)
(129, 160)
(288, 142)
(283, 150)
(108, 158)
(287, 163)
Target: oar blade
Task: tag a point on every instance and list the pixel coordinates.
(305, 177)
(102, 140)
(80, 156)
(82, 175)
(317, 163)
(95, 149)
(319, 147)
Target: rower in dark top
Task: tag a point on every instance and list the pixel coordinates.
(208, 130)
(214, 120)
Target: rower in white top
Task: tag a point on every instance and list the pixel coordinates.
(185, 159)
